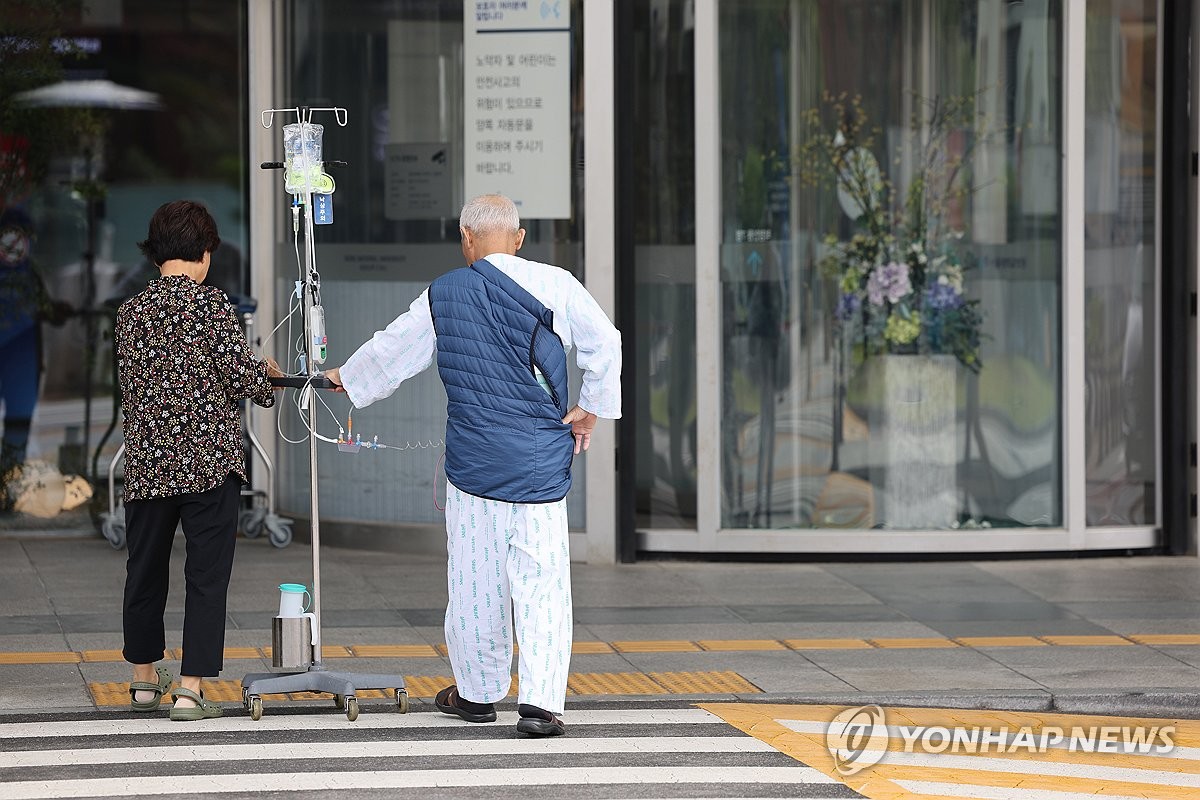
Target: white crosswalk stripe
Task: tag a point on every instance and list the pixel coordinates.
(644, 753)
(333, 721)
(253, 752)
(310, 781)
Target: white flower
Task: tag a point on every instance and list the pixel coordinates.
(953, 277)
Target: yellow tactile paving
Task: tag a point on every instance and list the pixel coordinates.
(656, 647)
(223, 691)
(1166, 638)
(1169, 776)
(235, 653)
(613, 683)
(426, 686)
(68, 657)
(1088, 641)
(100, 656)
(393, 650)
(704, 683)
(653, 646)
(363, 694)
(913, 643)
(740, 645)
(1001, 641)
(109, 694)
(327, 651)
(828, 644)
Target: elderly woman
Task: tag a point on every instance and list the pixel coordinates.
(183, 367)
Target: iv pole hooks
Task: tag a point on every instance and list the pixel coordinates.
(303, 114)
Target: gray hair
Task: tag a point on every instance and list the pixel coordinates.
(490, 213)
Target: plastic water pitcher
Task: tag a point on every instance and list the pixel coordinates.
(294, 631)
(292, 599)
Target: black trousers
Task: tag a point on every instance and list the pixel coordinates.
(209, 521)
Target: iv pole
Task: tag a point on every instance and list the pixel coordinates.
(342, 685)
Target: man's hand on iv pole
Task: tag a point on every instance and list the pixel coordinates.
(582, 422)
(335, 375)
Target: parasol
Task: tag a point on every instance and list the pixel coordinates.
(89, 94)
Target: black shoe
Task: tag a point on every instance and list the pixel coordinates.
(537, 722)
(448, 702)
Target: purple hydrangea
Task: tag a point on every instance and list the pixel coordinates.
(848, 305)
(889, 281)
(942, 297)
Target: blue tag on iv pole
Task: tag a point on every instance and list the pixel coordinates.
(322, 209)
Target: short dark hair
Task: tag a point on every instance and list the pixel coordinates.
(182, 230)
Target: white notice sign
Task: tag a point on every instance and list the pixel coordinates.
(517, 90)
(417, 181)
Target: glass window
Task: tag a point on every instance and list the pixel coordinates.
(663, 109)
(398, 69)
(162, 89)
(890, 264)
(1120, 239)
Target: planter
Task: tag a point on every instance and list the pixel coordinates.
(913, 442)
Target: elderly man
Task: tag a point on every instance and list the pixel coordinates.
(500, 330)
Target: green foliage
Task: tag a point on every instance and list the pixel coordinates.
(32, 54)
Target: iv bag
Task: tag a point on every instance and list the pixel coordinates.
(302, 157)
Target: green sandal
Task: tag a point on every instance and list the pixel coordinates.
(159, 689)
(202, 710)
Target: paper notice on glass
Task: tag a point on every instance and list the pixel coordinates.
(417, 181)
(517, 114)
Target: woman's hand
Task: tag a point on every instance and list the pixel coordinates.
(273, 371)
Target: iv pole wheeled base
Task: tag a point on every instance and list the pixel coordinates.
(344, 687)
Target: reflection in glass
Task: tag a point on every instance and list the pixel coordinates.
(831, 426)
(662, 98)
(397, 69)
(96, 192)
(1119, 234)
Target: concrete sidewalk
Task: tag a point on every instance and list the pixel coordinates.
(1111, 634)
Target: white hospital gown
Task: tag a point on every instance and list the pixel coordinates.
(408, 345)
(508, 565)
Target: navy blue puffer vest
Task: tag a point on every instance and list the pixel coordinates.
(504, 434)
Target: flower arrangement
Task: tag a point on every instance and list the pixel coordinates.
(900, 274)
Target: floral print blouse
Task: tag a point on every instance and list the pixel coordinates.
(183, 366)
